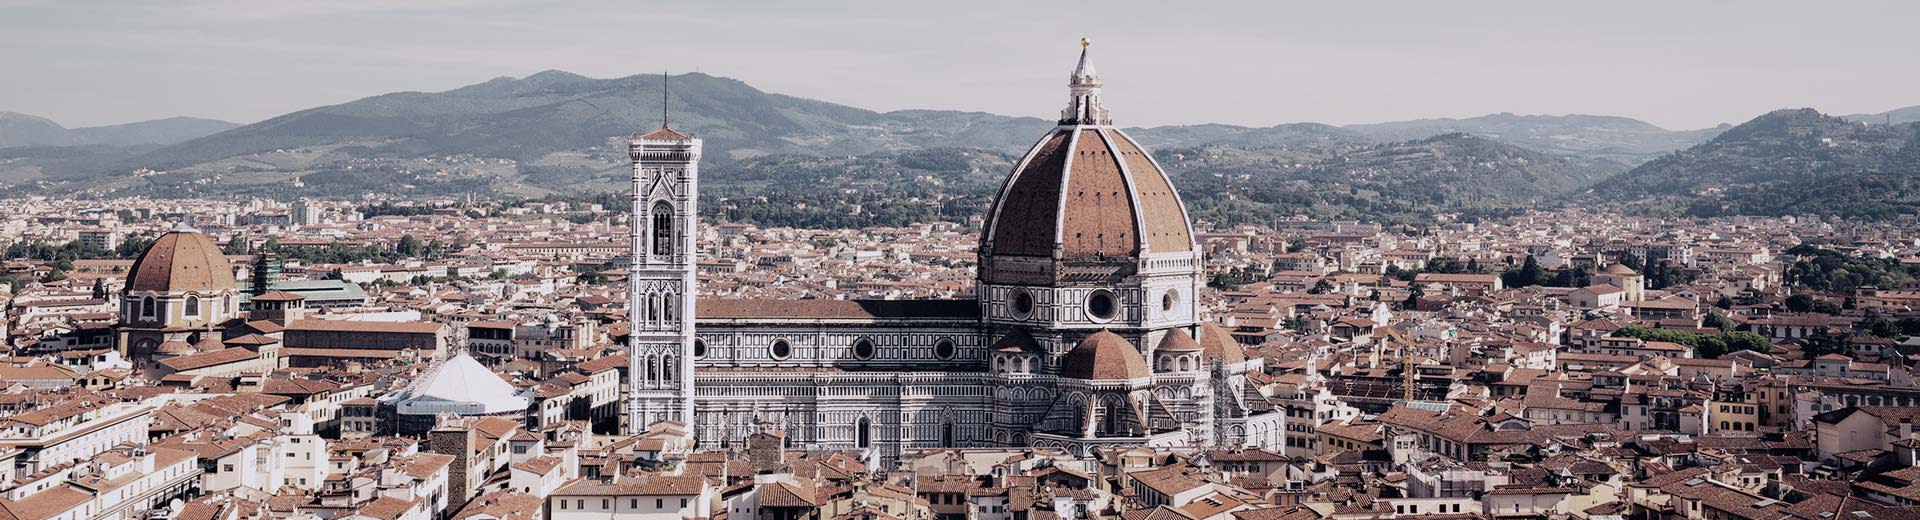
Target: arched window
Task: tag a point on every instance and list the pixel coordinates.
(193, 305)
(946, 434)
(662, 229)
(147, 307)
(667, 366)
(862, 433)
(666, 307)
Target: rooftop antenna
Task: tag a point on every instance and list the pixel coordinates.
(663, 99)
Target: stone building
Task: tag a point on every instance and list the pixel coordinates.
(1082, 335)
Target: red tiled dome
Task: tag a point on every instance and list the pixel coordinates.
(1086, 191)
(1178, 341)
(1220, 344)
(1104, 356)
(181, 261)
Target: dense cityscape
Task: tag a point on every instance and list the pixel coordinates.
(1505, 332)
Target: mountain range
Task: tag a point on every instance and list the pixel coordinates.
(17, 129)
(555, 133)
(1787, 162)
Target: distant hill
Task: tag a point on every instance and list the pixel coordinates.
(1795, 161)
(1606, 137)
(1403, 181)
(1896, 116)
(532, 118)
(17, 130)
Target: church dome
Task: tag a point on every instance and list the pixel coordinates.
(463, 386)
(1219, 344)
(1178, 341)
(1619, 269)
(183, 260)
(1086, 191)
(1104, 356)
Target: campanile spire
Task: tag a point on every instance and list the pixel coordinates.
(1083, 87)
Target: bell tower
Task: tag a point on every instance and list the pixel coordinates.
(666, 166)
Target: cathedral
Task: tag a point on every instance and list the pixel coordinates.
(1084, 332)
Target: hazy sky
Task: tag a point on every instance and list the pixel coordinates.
(1678, 64)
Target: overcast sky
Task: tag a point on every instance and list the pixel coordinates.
(1677, 64)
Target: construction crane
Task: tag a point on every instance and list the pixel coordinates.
(1406, 363)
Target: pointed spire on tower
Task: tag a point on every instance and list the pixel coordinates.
(664, 133)
(1083, 87)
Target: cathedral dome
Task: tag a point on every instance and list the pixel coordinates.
(1178, 341)
(183, 260)
(1086, 191)
(1219, 344)
(1104, 356)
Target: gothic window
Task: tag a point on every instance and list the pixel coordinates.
(946, 434)
(147, 307)
(862, 433)
(667, 365)
(193, 306)
(666, 307)
(943, 349)
(662, 229)
(1109, 418)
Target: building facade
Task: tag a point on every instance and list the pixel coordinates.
(1085, 331)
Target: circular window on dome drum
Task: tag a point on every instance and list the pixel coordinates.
(1022, 302)
(1100, 305)
(699, 349)
(943, 349)
(1167, 300)
(780, 349)
(863, 349)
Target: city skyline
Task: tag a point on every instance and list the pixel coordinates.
(1679, 67)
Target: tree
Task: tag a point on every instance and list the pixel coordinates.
(238, 245)
(1882, 329)
(1717, 321)
(1744, 340)
(1710, 347)
(408, 246)
(1724, 302)
(100, 288)
(1909, 326)
(1321, 287)
(1633, 262)
(1528, 274)
(55, 275)
(1799, 303)
(1413, 296)
(131, 247)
